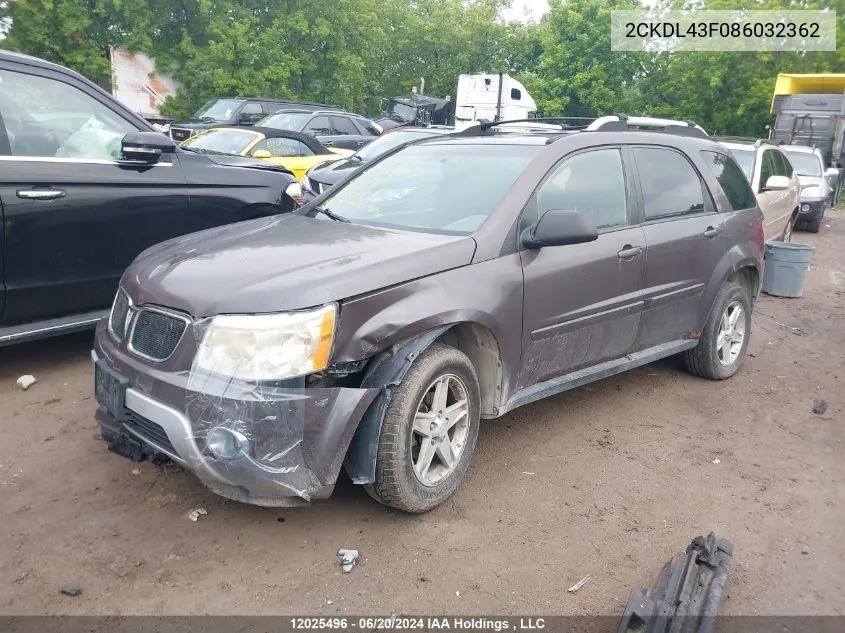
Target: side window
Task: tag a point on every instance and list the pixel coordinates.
(731, 179)
(251, 112)
(50, 118)
(594, 182)
(342, 125)
(670, 184)
(283, 146)
(784, 167)
(767, 168)
(320, 126)
(365, 128)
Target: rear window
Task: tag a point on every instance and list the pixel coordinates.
(731, 179)
(439, 188)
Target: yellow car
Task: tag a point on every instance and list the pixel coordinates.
(294, 151)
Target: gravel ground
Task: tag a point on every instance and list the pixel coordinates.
(608, 480)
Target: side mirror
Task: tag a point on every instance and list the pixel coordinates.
(559, 228)
(262, 153)
(831, 171)
(146, 147)
(776, 183)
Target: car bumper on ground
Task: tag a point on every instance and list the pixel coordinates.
(284, 444)
(811, 208)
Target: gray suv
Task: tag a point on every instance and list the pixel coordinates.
(452, 280)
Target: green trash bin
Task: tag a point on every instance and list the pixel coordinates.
(786, 265)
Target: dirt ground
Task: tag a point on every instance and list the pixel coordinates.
(609, 480)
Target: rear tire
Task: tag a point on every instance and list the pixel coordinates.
(786, 236)
(418, 423)
(724, 340)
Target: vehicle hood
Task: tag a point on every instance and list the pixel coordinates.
(285, 262)
(331, 173)
(387, 123)
(813, 181)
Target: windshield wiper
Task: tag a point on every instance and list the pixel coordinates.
(331, 214)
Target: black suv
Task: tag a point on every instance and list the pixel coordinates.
(235, 111)
(331, 127)
(86, 185)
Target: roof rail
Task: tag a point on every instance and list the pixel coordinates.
(748, 139)
(484, 125)
(621, 123)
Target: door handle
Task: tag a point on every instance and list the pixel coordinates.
(711, 231)
(360, 143)
(328, 143)
(629, 252)
(41, 194)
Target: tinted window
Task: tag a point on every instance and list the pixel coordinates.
(46, 118)
(342, 125)
(218, 110)
(805, 164)
(433, 187)
(731, 179)
(670, 185)
(786, 166)
(767, 168)
(220, 141)
(283, 147)
(320, 126)
(252, 108)
(593, 182)
(745, 159)
(286, 121)
(369, 128)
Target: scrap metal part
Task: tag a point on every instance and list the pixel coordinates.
(686, 596)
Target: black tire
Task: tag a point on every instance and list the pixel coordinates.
(703, 359)
(396, 484)
(786, 236)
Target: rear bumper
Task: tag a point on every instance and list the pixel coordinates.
(297, 436)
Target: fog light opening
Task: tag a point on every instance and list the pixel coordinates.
(805, 207)
(225, 443)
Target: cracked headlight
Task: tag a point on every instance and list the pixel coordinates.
(268, 346)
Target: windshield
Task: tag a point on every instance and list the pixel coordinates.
(218, 110)
(220, 141)
(401, 111)
(387, 142)
(805, 164)
(448, 188)
(285, 121)
(745, 158)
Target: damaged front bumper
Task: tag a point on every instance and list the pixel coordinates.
(271, 445)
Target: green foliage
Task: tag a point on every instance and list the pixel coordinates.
(351, 52)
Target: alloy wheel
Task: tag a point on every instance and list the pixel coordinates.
(441, 427)
(731, 333)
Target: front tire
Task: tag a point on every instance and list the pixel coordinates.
(787, 230)
(429, 432)
(724, 340)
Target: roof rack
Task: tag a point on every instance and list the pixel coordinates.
(611, 123)
(622, 122)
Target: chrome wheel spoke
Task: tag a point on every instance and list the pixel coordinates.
(441, 392)
(445, 452)
(454, 413)
(424, 458)
(731, 336)
(422, 424)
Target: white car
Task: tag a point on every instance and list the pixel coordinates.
(774, 182)
(816, 191)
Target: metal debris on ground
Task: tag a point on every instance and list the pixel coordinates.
(579, 584)
(687, 593)
(348, 559)
(26, 381)
(71, 590)
(819, 406)
(196, 514)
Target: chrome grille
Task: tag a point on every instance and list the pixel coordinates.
(155, 334)
(119, 315)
